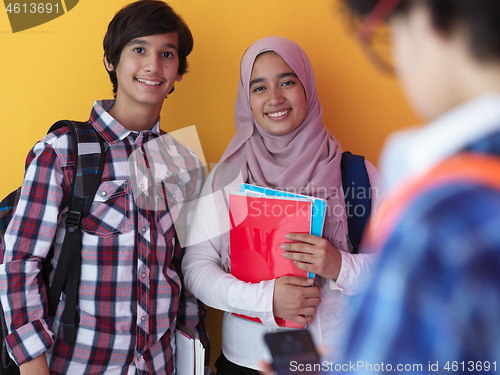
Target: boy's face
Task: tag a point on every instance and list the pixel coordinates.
(147, 70)
(426, 62)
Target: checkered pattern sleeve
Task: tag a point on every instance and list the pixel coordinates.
(26, 244)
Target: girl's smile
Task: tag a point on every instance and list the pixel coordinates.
(277, 97)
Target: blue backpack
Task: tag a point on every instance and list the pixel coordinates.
(357, 195)
(89, 158)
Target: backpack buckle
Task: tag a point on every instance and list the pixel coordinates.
(73, 221)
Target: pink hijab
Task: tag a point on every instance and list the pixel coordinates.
(304, 161)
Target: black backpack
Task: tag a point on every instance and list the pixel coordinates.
(89, 158)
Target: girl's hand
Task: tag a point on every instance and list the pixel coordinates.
(295, 298)
(313, 254)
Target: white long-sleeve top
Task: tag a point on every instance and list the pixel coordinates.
(204, 272)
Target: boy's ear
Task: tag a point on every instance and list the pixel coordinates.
(179, 77)
(108, 65)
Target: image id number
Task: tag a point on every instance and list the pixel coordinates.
(471, 366)
(33, 8)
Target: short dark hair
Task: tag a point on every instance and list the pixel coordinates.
(480, 17)
(144, 18)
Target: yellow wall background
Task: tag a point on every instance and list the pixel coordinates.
(55, 71)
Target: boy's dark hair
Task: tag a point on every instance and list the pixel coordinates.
(144, 18)
(480, 17)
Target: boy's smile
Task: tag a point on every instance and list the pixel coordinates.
(147, 71)
(150, 83)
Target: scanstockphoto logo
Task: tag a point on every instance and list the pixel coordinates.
(25, 15)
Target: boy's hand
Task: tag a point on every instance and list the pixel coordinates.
(267, 369)
(37, 366)
(313, 254)
(295, 298)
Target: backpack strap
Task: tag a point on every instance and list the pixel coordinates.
(89, 158)
(357, 195)
(481, 169)
(6, 208)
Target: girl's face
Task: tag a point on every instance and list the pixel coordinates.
(277, 97)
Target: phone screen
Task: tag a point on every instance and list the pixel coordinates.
(293, 352)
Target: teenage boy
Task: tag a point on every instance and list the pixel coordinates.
(130, 295)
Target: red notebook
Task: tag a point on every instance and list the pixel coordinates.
(258, 228)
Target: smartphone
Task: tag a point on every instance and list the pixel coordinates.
(293, 352)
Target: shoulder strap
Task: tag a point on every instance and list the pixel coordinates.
(6, 209)
(357, 195)
(89, 158)
(482, 169)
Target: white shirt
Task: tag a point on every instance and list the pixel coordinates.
(413, 151)
(204, 276)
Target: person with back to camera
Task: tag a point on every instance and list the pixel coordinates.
(280, 142)
(432, 304)
(131, 294)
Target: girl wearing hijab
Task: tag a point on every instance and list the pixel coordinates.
(281, 142)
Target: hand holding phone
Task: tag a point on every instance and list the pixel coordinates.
(293, 352)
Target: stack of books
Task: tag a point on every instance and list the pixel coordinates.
(260, 218)
(190, 353)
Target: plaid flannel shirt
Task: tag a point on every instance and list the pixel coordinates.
(131, 293)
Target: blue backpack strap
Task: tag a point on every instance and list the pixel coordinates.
(6, 210)
(357, 195)
(89, 159)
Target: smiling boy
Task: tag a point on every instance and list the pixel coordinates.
(131, 294)
(148, 69)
